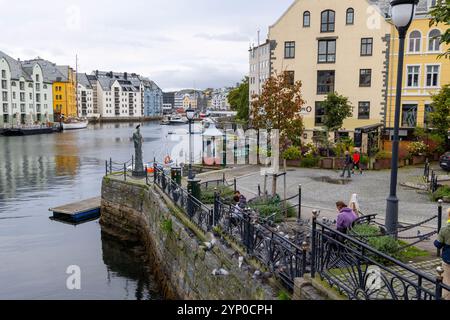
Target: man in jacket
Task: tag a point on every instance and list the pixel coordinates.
(443, 242)
(347, 165)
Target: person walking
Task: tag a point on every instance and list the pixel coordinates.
(347, 164)
(443, 242)
(357, 162)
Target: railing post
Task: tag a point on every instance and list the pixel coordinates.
(106, 167)
(439, 226)
(223, 178)
(304, 252)
(216, 207)
(110, 165)
(235, 184)
(439, 280)
(146, 175)
(299, 203)
(259, 190)
(155, 172)
(313, 243)
(125, 171)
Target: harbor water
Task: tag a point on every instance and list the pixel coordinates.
(43, 171)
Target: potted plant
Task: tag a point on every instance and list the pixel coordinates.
(382, 160)
(418, 150)
(292, 156)
(364, 162)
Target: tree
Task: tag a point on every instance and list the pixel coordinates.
(278, 107)
(336, 110)
(440, 117)
(441, 14)
(238, 99)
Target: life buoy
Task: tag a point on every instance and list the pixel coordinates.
(167, 160)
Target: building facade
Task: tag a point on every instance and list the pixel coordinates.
(260, 67)
(168, 102)
(188, 98)
(26, 95)
(424, 72)
(153, 99)
(219, 100)
(85, 96)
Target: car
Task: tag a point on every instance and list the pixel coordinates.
(444, 161)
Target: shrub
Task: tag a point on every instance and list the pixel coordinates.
(364, 160)
(292, 153)
(417, 148)
(440, 193)
(271, 205)
(309, 161)
(207, 196)
(166, 226)
(381, 155)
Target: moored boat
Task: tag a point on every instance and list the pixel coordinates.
(74, 124)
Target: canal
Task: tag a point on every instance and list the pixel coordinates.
(39, 172)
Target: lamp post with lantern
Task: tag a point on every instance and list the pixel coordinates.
(402, 15)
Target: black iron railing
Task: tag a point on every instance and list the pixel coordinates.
(360, 272)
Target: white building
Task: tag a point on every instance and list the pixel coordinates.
(26, 96)
(219, 99)
(118, 95)
(260, 67)
(85, 97)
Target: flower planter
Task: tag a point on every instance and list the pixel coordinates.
(418, 160)
(326, 163)
(293, 163)
(382, 164)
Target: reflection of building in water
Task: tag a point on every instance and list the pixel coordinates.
(125, 263)
(21, 166)
(66, 165)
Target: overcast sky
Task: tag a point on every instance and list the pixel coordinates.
(177, 43)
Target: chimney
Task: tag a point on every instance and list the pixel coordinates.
(96, 73)
(110, 74)
(125, 75)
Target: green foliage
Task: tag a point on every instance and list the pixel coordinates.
(309, 161)
(166, 226)
(441, 193)
(337, 108)
(440, 117)
(365, 160)
(381, 155)
(239, 100)
(292, 153)
(271, 205)
(386, 244)
(344, 144)
(283, 295)
(441, 14)
(207, 196)
(417, 148)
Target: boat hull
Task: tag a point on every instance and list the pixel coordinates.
(74, 126)
(27, 132)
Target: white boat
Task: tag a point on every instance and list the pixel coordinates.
(74, 124)
(177, 120)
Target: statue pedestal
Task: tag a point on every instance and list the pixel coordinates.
(138, 174)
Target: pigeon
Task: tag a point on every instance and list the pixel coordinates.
(241, 260)
(220, 272)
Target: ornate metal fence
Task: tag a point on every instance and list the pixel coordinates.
(360, 272)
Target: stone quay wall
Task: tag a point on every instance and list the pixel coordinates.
(134, 212)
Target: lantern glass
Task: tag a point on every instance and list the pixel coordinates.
(402, 14)
(190, 114)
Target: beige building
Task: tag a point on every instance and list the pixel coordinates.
(336, 46)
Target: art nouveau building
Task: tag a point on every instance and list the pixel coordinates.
(335, 46)
(26, 93)
(85, 97)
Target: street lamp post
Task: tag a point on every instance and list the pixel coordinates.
(190, 113)
(402, 15)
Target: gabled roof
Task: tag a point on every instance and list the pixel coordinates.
(83, 79)
(51, 72)
(17, 71)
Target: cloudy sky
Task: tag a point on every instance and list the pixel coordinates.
(178, 43)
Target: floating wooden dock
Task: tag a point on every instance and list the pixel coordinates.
(78, 211)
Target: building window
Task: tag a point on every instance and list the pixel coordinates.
(5, 96)
(289, 50)
(413, 76)
(22, 85)
(365, 77)
(4, 84)
(306, 19)
(415, 39)
(434, 38)
(327, 21)
(37, 78)
(350, 18)
(366, 46)
(319, 114)
(327, 51)
(290, 77)
(409, 115)
(432, 76)
(325, 82)
(364, 110)
(4, 74)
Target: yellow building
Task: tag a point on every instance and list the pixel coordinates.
(64, 93)
(424, 74)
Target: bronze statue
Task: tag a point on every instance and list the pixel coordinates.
(138, 170)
